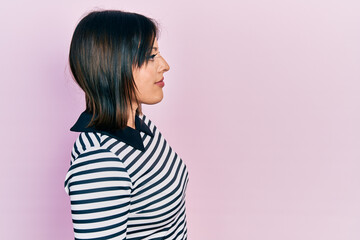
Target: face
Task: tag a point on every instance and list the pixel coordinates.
(149, 78)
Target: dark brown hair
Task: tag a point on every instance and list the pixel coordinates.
(105, 47)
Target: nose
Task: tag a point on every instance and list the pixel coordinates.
(164, 66)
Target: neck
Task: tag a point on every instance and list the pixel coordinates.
(131, 120)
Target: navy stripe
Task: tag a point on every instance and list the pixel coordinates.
(166, 186)
(157, 173)
(104, 159)
(95, 171)
(158, 200)
(164, 221)
(179, 225)
(76, 149)
(123, 148)
(99, 229)
(96, 200)
(113, 144)
(82, 142)
(94, 180)
(97, 137)
(89, 139)
(105, 141)
(129, 165)
(104, 238)
(72, 156)
(134, 219)
(97, 210)
(166, 160)
(144, 161)
(101, 219)
(95, 190)
(160, 230)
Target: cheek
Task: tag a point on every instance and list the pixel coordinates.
(149, 92)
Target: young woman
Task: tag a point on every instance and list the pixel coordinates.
(125, 181)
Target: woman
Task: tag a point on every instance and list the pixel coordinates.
(125, 181)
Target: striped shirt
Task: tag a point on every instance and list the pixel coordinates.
(126, 184)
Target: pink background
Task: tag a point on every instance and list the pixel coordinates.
(262, 102)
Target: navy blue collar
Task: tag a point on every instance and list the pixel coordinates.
(128, 135)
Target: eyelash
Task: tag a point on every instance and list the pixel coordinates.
(152, 56)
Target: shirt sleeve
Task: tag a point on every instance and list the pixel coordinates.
(99, 187)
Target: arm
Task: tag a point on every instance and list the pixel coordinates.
(99, 188)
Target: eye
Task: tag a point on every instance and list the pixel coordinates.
(151, 57)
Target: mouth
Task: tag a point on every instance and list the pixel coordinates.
(160, 83)
(160, 80)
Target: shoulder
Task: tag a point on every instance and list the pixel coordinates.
(84, 142)
(93, 163)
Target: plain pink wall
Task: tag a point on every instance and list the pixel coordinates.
(262, 102)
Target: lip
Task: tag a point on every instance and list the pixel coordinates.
(160, 83)
(161, 80)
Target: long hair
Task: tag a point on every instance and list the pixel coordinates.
(105, 47)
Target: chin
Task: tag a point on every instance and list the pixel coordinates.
(154, 100)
